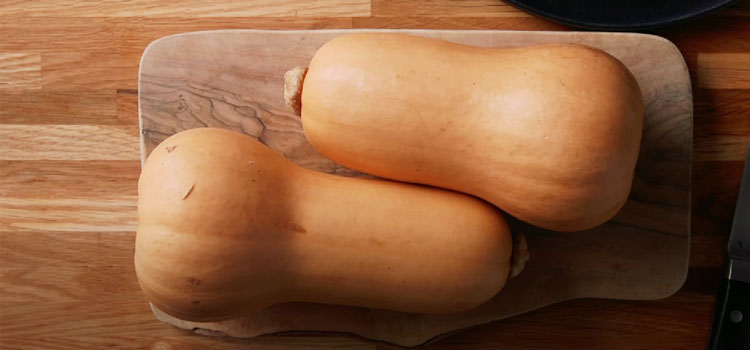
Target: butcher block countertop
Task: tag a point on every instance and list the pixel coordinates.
(70, 160)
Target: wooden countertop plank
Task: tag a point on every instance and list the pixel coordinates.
(127, 106)
(445, 8)
(127, 314)
(87, 179)
(64, 284)
(719, 32)
(33, 248)
(20, 70)
(104, 35)
(720, 147)
(69, 142)
(67, 214)
(710, 250)
(724, 70)
(714, 194)
(127, 322)
(90, 78)
(83, 70)
(721, 112)
(85, 59)
(720, 142)
(59, 107)
(189, 8)
(411, 22)
(594, 324)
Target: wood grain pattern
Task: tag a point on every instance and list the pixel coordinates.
(68, 142)
(108, 35)
(66, 249)
(70, 107)
(127, 106)
(407, 22)
(20, 71)
(724, 70)
(89, 71)
(87, 179)
(711, 34)
(722, 112)
(716, 185)
(63, 284)
(723, 147)
(79, 214)
(444, 8)
(179, 91)
(87, 29)
(179, 8)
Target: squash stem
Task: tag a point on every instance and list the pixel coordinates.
(293, 80)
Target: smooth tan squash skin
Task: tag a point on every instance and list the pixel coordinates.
(227, 226)
(550, 134)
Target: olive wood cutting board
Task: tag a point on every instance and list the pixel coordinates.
(234, 79)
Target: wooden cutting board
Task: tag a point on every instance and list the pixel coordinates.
(234, 79)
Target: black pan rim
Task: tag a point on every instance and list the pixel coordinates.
(668, 19)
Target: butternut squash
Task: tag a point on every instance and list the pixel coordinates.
(550, 134)
(227, 226)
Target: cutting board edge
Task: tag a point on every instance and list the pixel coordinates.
(223, 328)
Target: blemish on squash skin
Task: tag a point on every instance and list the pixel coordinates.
(297, 228)
(171, 148)
(189, 191)
(195, 302)
(194, 281)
